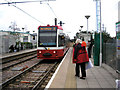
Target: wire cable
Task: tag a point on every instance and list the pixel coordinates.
(25, 2)
(27, 13)
(51, 9)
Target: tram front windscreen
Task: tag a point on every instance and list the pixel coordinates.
(47, 37)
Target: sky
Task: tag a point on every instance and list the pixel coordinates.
(70, 12)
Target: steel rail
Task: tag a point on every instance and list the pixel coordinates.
(17, 76)
(13, 57)
(43, 78)
(19, 62)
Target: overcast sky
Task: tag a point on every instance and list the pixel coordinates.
(71, 12)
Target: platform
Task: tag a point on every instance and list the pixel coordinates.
(16, 53)
(97, 77)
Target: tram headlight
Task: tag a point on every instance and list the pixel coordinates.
(54, 51)
(40, 52)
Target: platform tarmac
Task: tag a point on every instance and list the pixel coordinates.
(98, 77)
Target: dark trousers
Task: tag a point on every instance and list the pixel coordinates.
(83, 69)
(89, 52)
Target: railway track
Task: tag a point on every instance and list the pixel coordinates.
(35, 73)
(22, 60)
(33, 77)
(17, 61)
(16, 69)
(16, 56)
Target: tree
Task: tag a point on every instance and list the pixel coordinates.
(106, 36)
(13, 26)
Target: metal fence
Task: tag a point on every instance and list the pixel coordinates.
(109, 53)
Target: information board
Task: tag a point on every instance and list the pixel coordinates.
(118, 38)
(118, 45)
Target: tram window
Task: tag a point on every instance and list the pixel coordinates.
(47, 39)
(61, 41)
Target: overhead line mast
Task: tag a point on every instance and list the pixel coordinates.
(98, 17)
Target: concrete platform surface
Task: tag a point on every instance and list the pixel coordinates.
(98, 78)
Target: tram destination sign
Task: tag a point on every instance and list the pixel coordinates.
(47, 28)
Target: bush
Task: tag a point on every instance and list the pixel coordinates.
(27, 45)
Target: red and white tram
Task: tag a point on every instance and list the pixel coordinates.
(52, 42)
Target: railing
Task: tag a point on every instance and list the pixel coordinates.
(109, 54)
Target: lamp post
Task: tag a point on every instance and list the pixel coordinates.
(80, 34)
(87, 17)
(100, 38)
(81, 27)
(80, 31)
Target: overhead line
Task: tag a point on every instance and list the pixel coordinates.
(28, 14)
(25, 2)
(52, 11)
(28, 2)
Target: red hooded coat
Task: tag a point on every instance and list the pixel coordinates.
(81, 54)
(74, 60)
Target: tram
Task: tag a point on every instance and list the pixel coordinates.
(52, 42)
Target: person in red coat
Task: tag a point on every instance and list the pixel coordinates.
(80, 57)
(84, 43)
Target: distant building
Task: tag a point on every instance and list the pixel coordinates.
(83, 34)
(33, 39)
(9, 38)
(27, 37)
